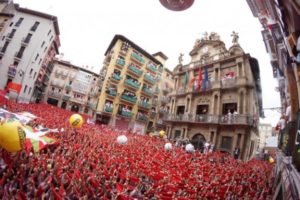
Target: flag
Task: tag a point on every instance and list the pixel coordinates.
(205, 81)
(39, 143)
(199, 80)
(186, 78)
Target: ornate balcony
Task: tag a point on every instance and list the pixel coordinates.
(136, 57)
(132, 84)
(54, 94)
(228, 83)
(149, 79)
(134, 71)
(212, 119)
(147, 92)
(66, 97)
(151, 67)
(144, 104)
(132, 100)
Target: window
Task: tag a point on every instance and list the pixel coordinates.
(36, 57)
(28, 37)
(51, 38)
(34, 75)
(40, 61)
(226, 143)
(34, 27)
(3, 37)
(12, 33)
(20, 53)
(11, 24)
(4, 47)
(43, 44)
(177, 134)
(31, 70)
(49, 32)
(70, 82)
(29, 90)
(45, 49)
(53, 88)
(25, 88)
(19, 22)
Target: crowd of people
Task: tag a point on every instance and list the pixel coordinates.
(88, 163)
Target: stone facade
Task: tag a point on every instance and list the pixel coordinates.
(223, 104)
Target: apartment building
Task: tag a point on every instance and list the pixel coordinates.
(73, 88)
(28, 41)
(131, 86)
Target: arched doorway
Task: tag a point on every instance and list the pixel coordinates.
(75, 108)
(64, 105)
(198, 141)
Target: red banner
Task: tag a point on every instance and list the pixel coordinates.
(15, 87)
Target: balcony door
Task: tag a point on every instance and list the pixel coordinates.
(229, 107)
(202, 109)
(180, 110)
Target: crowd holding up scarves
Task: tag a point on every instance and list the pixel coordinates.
(88, 163)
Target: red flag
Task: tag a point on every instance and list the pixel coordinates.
(199, 79)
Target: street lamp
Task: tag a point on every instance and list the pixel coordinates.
(177, 5)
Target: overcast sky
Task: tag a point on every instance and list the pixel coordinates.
(87, 27)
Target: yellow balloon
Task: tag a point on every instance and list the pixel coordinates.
(162, 133)
(12, 135)
(76, 120)
(271, 160)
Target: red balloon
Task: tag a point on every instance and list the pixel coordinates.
(177, 5)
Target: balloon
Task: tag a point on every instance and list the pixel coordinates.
(168, 146)
(76, 120)
(161, 133)
(189, 148)
(12, 135)
(122, 139)
(271, 160)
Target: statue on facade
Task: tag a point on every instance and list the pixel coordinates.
(205, 35)
(197, 43)
(235, 38)
(180, 58)
(214, 36)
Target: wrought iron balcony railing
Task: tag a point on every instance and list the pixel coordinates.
(212, 119)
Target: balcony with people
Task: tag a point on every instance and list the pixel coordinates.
(229, 80)
(111, 91)
(137, 57)
(120, 62)
(129, 97)
(116, 76)
(132, 83)
(134, 70)
(108, 107)
(125, 111)
(151, 67)
(142, 116)
(149, 78)
(147, 90)
(144, 102)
